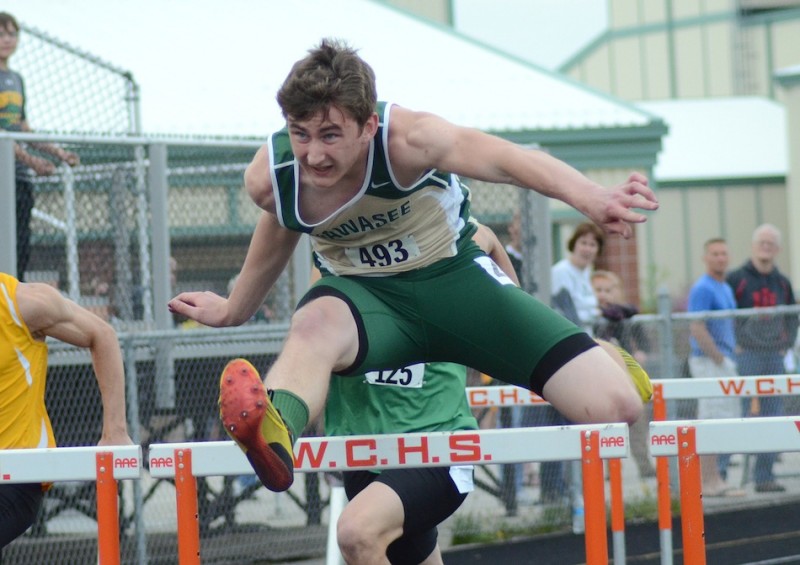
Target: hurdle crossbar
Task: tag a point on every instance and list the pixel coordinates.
(729, 435)
(688, 439)
(392, 451)
(734, 386)
(103, 464)
(61, 464)
(590, 444)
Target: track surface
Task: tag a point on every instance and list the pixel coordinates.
(761, 536)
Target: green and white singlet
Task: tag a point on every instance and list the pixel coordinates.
(436, 296)
(386, 228)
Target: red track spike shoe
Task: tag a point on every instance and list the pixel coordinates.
(251, 420)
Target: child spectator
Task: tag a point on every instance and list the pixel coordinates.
(615, 311)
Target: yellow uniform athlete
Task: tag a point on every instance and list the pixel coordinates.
(29, 312)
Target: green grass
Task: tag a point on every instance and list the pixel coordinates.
(473, 529)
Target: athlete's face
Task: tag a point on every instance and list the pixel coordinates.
(331, 147)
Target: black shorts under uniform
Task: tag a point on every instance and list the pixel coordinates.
(19, 504)
(429, 496)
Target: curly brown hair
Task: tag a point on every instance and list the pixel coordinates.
(332, 74)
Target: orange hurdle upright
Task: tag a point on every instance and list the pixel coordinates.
(107, 510)
(188, 515)
(692, 528)
(662, 477)
(595, 499)
(688, 440)
(617, 510)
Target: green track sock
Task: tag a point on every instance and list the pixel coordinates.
(294, 411)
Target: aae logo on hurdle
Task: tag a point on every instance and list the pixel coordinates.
(161, 462)
(734, 435)
(393, 451)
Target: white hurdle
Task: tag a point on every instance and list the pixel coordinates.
(105, 465)
(725, 387)
(590, 444)
(688, 439)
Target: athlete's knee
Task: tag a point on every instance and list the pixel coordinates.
(358, 541)
(617, 402)
(592, 389)
(628, 407)
(630, 398)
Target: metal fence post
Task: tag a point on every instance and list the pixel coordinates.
(134, 427)
(73, 271)
(665, 335)
(133, 101)
(158, 186)
(121, 236)
(8, 208)
(162, 291)
(668, 364)
(536, 245)
(153, 178)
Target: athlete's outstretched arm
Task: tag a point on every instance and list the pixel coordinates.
(425, 140)
(270, 249)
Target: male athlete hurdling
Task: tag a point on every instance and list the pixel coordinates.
(375, 185)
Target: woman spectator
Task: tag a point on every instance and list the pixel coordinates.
(571, 277)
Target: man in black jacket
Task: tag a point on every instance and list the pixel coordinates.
(763, 341)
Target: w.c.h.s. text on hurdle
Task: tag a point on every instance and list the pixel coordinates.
(361, 452)
(760, 386)
(502, 396)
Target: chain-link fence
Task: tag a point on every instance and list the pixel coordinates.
(69, 90)
(142, 219)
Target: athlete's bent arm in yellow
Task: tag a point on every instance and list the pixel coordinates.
(47, 313)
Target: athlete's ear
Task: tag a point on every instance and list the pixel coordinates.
(370, 128)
